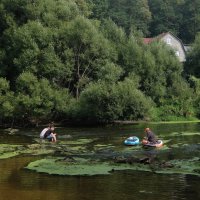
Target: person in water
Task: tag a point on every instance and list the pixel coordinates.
(150, 136)
(49, 133)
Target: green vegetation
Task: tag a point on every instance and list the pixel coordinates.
(50, 166)
(91, 156)
(84, 61)
(8, 151)
(87, 167)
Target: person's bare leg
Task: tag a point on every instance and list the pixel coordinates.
(54, 137)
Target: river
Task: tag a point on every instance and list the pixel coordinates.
(17, 183)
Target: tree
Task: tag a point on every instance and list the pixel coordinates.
(106, 102)
(100, 9)
(159, 70)
(192, 64)
(131, 15)
(30, 36)
(140, 15)
(38, 100)
(7, 100)
(87, 50)
(166, 16)
(191, 20)
(195, 84)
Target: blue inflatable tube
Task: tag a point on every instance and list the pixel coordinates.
(131, 141)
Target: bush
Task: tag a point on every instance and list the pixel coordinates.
(107, 102)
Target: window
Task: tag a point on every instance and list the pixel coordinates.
(169, 40)
(177, 53)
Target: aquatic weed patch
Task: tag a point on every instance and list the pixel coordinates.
(74, 166)
(100, 147)
(131, 149)
(86, 167)
(8, 150)
(8, 155)
(82, 141)
(176, 134)
(54, 166)
(184, 166)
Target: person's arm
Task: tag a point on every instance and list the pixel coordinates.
(54, 137)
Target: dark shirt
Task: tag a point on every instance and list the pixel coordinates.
(151, 137)
(47, 133)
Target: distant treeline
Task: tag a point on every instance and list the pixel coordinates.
(85, 61)
(152, 17)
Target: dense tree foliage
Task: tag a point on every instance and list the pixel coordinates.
(85, 60)
(106, 102)
(192, 66)
(38, 99)
(152, 17)
(131, 15)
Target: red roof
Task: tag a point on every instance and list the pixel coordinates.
(147, 40)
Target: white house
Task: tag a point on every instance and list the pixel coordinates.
(173, 41)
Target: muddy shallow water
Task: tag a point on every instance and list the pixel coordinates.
(182, 142)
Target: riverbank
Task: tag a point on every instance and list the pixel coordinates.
(151, 122)
(92, 124)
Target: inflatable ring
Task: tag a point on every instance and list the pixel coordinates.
(159, 143)
(131, 141)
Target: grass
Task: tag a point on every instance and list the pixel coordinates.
(174, 122)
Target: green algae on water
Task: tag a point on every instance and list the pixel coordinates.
(82, 141)
(89, 168)
(99, 147)
(8, 150)
(80, 166)
(50, 166)
(8, 155)
(185, 166)
(176, 134)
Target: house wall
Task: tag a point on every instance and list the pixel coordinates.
(176, 45)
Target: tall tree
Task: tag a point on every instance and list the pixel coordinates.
(192, 65)
(38, 100)
(191, 20)
(87, 49)
(166, 16)
(131, 15)
(7, 100)
(30, 37)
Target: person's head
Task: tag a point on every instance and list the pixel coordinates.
(147, 130)
(51, 124)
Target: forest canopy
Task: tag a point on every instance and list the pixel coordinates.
(85, 61)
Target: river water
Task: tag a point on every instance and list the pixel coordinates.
(18, 183)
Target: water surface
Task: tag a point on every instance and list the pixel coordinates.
(18, 183)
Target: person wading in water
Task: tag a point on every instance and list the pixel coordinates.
(49, 133)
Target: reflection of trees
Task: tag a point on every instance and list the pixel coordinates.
(119, 185)
(192, 190)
